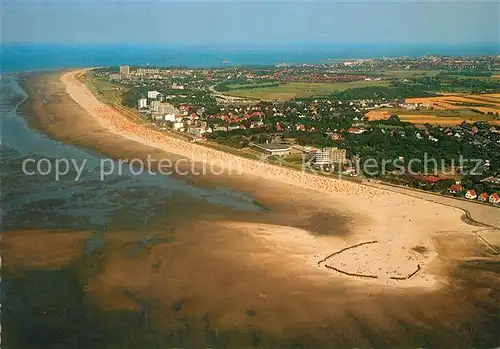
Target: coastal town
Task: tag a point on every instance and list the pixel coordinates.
(250, 174)
(357, 110)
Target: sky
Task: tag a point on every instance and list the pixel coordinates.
(250, 22)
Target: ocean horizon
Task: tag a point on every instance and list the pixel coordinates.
(21, 57)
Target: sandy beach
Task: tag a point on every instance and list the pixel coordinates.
(325, 262)
(404, 228)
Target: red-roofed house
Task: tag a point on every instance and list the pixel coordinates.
(455, 188)
(432, 179)
(471, 194)
(356, 130)
(337, 137)
(483, 197)
(495, 198)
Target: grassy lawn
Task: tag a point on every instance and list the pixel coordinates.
(301, 89)
(111, 94)
(105, 90)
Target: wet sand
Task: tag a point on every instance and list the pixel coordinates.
(246, 279)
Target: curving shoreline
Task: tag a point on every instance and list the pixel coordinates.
(117, 124)
(386, 209)
(324, 214)
(224, 263)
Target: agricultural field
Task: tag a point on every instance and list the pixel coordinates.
(300, 89)
(446, 110)
(489, 103)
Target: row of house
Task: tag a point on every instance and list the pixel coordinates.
(473, 195)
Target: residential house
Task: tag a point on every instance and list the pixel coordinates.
(356, 130)
(471, 194)
(492, 180)
(483, 197)
(349, 170)
(337, 137)
(429, 179)
(495, 198)
(455, 188)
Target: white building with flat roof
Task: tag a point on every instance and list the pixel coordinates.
(153, 94)
(142, 103)
(170, 117)
(329, 156)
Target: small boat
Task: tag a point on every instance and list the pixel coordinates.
(226, 61)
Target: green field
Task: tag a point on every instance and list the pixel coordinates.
(301, 89)
(110, 94)
(106, 91)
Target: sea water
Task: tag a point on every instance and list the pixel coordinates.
(42, 201)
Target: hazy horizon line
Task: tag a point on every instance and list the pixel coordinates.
(249, 44)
